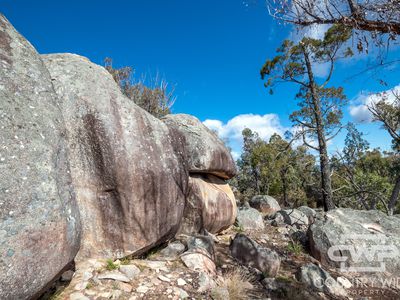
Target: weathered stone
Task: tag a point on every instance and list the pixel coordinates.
(210, 205)
(181, 282)
(319, 279)
(270, 283)
(250, 218)
(206, 152)
(81, 286)
(206, 283)
(125, 287)
(342, 230)
(265, 204)
(181, 294)
(309, 212)
(152, 264)
(131, 271)
(163, 278)
(39, 219)
(201, 243)
(172, 251)
(291, 217)
(78, 296)
(344, 282)
(142, 289)
(199, 261)
(249, 253)
(114, 275)
(128, 168)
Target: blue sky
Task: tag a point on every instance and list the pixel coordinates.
(211, 50)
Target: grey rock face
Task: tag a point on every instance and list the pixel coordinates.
(199, 261)
(201, 242)
(320, 280)
(265, 204)
(292, 217)
(249, 253)
(250, 218)
(344, 230)
(309, 212)
(131, 271)
(172, 251)
(128, 168)
(39, 220)
(210, 205)
(206, 152)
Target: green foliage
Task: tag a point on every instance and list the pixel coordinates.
(157, 98)
(110, 265)
(387, 111)
(320, 107)
(238, 228)
(275, 168)
(295, 248)
(294, 63)
(363, 178)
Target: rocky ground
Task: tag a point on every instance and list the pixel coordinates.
(168, 273)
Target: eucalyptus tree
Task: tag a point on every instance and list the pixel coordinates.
(375, 16)
(387, 112)
(320, 107)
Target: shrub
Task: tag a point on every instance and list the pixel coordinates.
(295, 247)
(154, 95)
(238, 284)
(111, 265)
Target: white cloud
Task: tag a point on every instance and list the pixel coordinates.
(359, 108)
(231, 131)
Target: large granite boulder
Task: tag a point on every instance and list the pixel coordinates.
(265, 204)
(249, 218)
(128, 168)
(210, 205)
(206, 152)
(251, 254)
(39, 219)
(361, 241)
(318, 279)
(309, 212)
(292, 217)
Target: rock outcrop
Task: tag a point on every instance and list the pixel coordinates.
(265, 204)
(309, 212)
(128, 168)
(39, 220)
(249, 218)
(88, 174)
(206, 152)
(251, 254)
(292, 217)
(210, 205)
(342, 235)
(320, 280)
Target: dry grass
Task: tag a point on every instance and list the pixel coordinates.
(238, 283)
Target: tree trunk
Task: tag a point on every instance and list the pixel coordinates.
(395, 196)
(322, 147)
(325, 174)
(285, 188)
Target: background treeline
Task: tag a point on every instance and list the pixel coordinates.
(362, 178)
